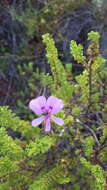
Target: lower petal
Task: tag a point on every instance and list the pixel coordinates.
(37, 121)
(57, 120)
(48, 125)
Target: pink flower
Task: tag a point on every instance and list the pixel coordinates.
(46, 107)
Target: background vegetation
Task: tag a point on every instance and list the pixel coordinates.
(53, 48)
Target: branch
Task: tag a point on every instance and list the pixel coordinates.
(16, 58)
(91, 131)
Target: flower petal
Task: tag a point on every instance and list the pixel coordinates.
(37, 104)
(55, 104)
(37, 121)
(57, 120)
(48, 125)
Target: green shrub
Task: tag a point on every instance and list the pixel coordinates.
(72, 156)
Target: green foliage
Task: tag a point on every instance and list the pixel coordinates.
(96, 172)
(77, 52)
(88, 146)
(40, 146)
(61, 87)
(50, 179)
(76, 110)
(93, 48)
(9, 120)
(82, 87)
(94, 36)
(6, 165)
(72, 156)
(28, 88)
(35, 19)
(8, 147)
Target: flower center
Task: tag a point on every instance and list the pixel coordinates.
(46, 111)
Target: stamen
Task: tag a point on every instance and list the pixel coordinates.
(50, 109)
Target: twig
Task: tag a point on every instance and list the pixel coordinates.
(91, 130)
(8, 91)
(90, 82)
(17, 57)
